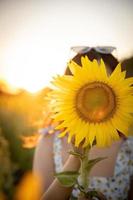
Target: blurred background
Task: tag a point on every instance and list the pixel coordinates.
(35, 41)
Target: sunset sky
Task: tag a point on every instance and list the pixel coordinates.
(36, 35)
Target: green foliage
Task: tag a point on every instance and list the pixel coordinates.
(76, 154)
(93, 162)
(67, 178)
(18, 115)
(6, 167)
(13, 126)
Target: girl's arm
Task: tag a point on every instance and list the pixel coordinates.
(44, 167)
(43, 161)
(56, 191)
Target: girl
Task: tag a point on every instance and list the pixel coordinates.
(112, 176)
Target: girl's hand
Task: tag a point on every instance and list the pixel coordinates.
(99, 196)
(83, 198)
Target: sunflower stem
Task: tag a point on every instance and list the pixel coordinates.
(84, 170)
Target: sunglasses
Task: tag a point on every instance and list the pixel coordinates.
(99, 49)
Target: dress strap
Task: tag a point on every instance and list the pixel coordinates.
(57, 149)
(57, 146)
(130, 144)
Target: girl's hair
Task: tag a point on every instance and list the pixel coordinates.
(108, 59)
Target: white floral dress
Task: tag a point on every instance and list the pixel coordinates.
(115, 187)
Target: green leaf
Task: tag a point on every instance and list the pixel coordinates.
(92, 162)
(67, 178)
(75, 154)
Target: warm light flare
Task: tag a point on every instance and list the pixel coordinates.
(29, 188)
(30, 141)
(29, 65)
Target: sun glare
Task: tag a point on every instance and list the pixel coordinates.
(30, 66)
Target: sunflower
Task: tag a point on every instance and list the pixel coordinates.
(91, 105)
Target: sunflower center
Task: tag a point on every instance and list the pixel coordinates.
(95, 102)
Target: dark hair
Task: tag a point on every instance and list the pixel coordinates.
(108, 59)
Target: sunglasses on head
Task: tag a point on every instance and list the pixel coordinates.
(99, 49)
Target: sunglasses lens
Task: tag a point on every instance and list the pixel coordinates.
(105, 49)
(81, 49)
(99, 49)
